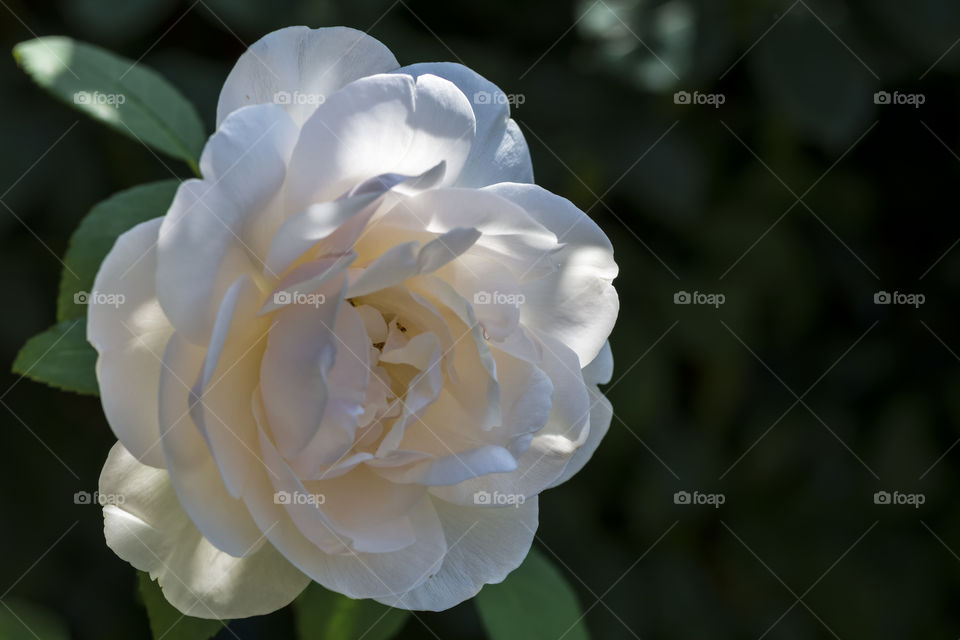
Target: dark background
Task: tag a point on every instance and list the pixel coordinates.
(694, 198)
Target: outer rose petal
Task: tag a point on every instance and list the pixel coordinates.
(307, 62)
(151, 531)
(201, 249)
(379, 125)
(499, 152)
(130, 339)
(577, 304)
(601, 412)
(484, 545)
(601, 369)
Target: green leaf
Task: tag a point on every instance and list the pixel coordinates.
(98, 232)
(168, 623)
(534, 602)
(20, 620)
(120, 93)
(60, 357)
(325, 615)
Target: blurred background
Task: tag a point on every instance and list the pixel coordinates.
(778, 165)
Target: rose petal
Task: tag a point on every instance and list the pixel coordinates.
(403, 261)
(378, 125)
(193, 472)
(130, 339)
(301, 350)
(346, 385)
(449, 469)
(308, 517)
(358, 575)
(298, 67)
(421, 352)
(479, 391)
(484, 546)
(309, 279)
(333, 228)
(150, 530)
(601, 413)
(231, 370)
(499, 152)
(442, 209)
(600, 370)
(201, 249)
(299, 233)
(547, 452)
(371, 510)
(577, 304)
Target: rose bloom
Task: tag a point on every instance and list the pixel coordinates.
(357, 349)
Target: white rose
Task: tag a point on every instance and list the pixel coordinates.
(358, 349)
